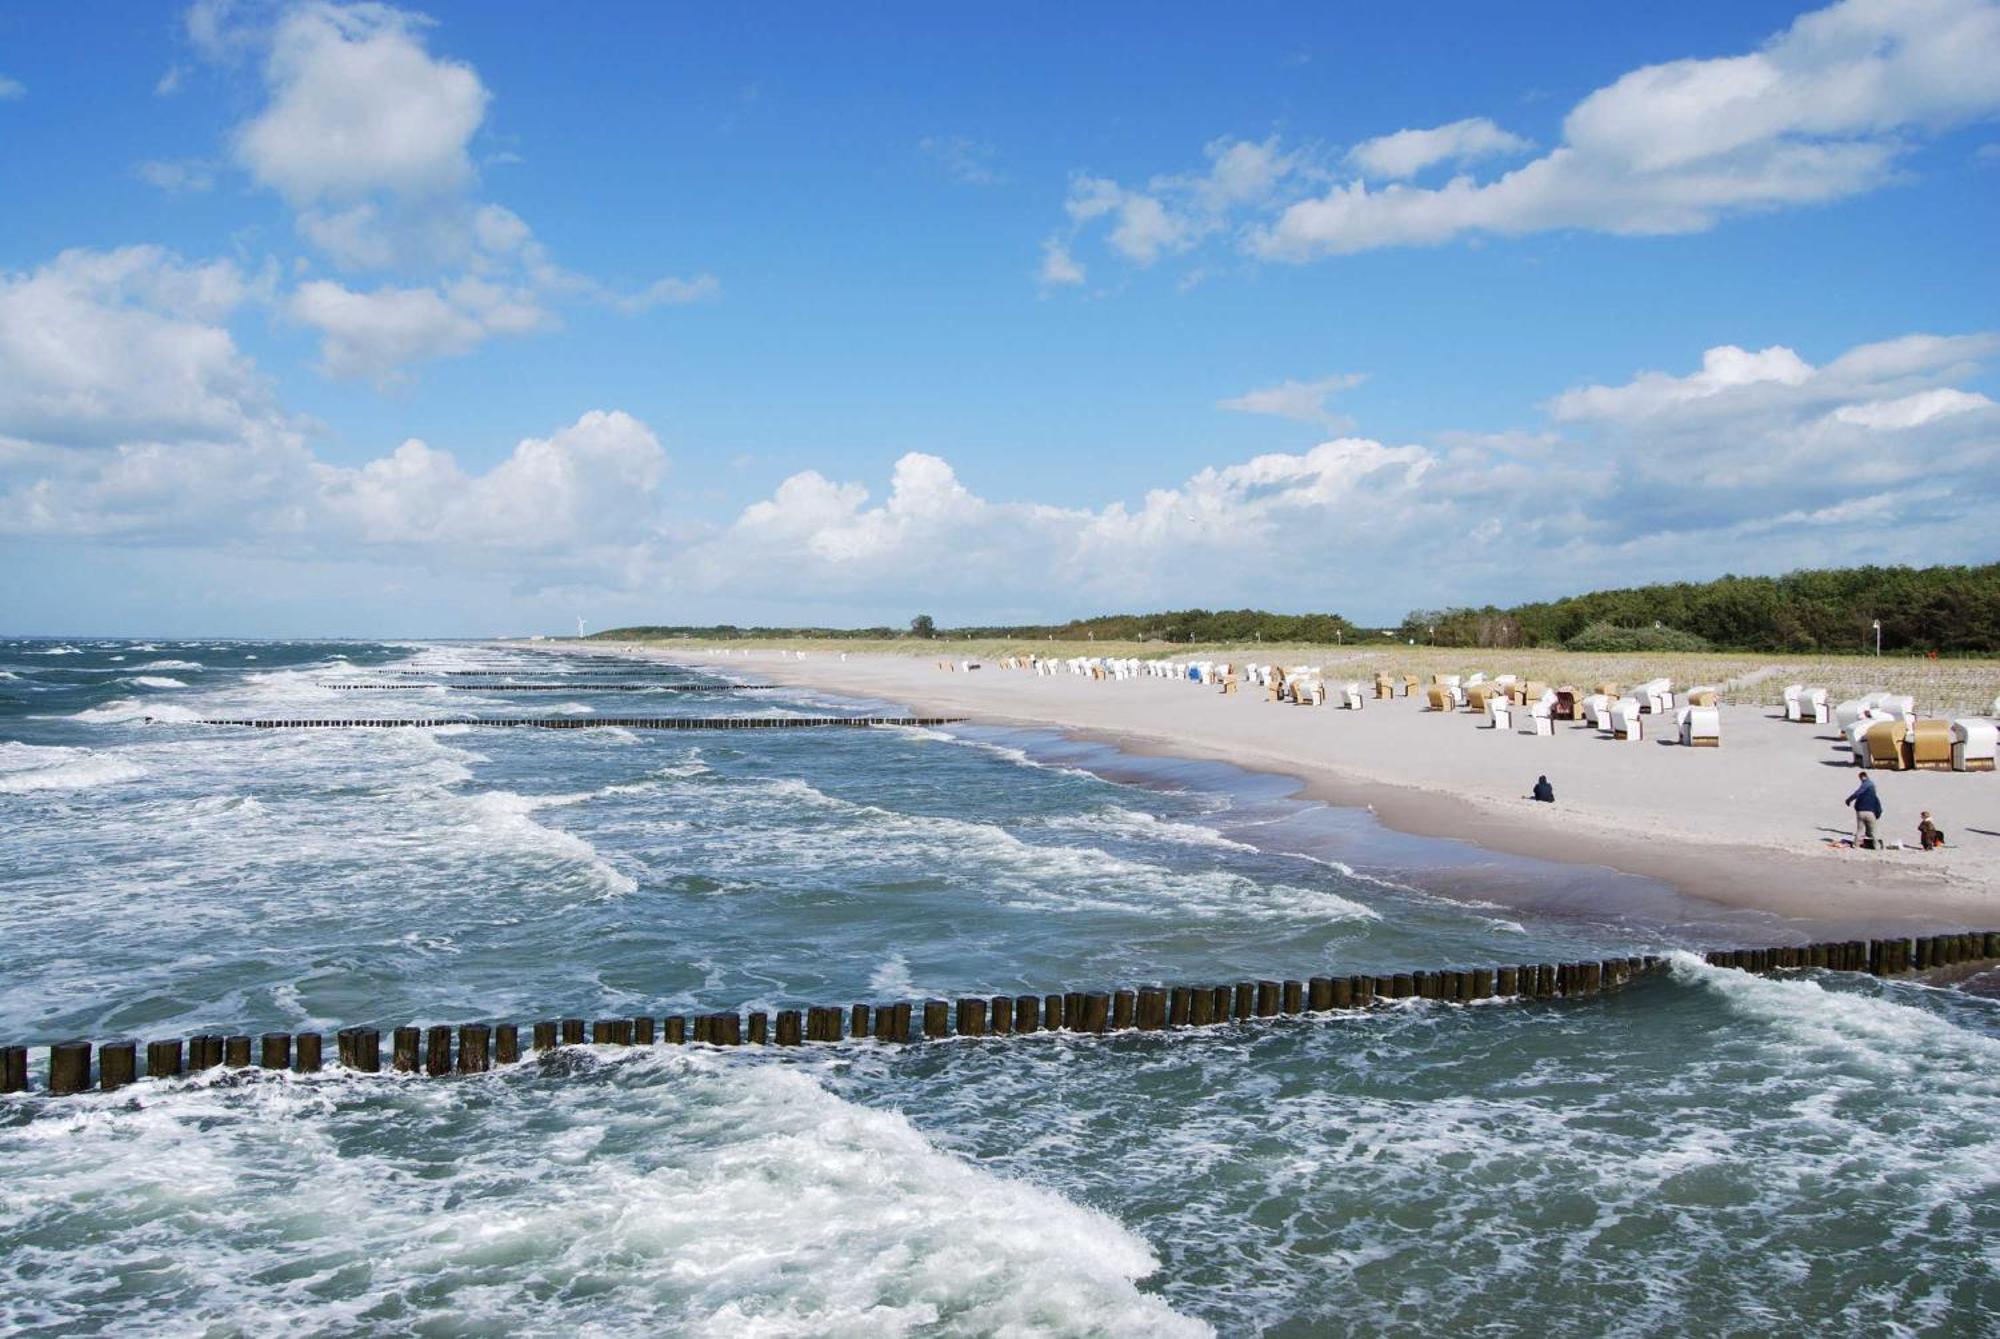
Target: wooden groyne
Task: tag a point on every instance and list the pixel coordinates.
(471, 1048)
(586, 686)
(593, 722)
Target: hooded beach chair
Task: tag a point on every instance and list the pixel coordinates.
(1626, 722)
(1701, 727)
(1930, 745)
(1973, 744)
(1886, 745)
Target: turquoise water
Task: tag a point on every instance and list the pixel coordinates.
(1701, 1153)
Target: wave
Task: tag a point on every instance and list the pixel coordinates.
(31, 767)
(507, 818)
(173, 664)
(125, 709)
(156, 681)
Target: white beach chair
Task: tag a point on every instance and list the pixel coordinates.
(1973, 744)
(1626, 722)
(1597, 710)
(1350, 696)
(1701, 727)
(1655, 696)
(1500, 713)
(1537, 718)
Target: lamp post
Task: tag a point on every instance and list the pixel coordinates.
(1877, 625)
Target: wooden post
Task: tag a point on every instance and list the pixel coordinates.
(1180, 1006)
(937, 1018)
(1150, 1010)
(1508, 981)
(69, 1068)
(1201, 1006)
(727, 1029)
(275, 1051)
(1319, 994)
(236, 1052)
(1267, 999)
(572, 1032)
(972, 1017)
(1124, 1010)
(644, 1030)
(475, 1054)
(306, 1053)
(677, 1029)
(507, 1044)
(789, 1029)
(343, 1047)
(1292, 999)
(1339, 992)
(368, 1050)
(1027, 1013)
(163, 1061)
(14, 1067)
(902, 1030)
(1002, 1017)
(1246, 999)
(1401, 986)
(1072, 1014)
(704, 1027)
(117, 1064)
(1482, 983)
(1222, 1003)
(204, 1051)
(603, 1031)
(437, 1050)
(545, 1035)
(1428, 985)
(1096, 1013)
(1052, 1013)
(1365, 989)
(760, 1028)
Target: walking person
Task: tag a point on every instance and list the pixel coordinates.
(1867, 813)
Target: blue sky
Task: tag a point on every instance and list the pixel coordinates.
(834, 314)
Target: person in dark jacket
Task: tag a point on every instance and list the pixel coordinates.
(1867, 812)
(1544, 791)
(1929, 835)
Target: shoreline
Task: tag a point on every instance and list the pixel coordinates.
(1818, 886)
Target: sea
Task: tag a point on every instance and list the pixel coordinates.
(1702, 1152)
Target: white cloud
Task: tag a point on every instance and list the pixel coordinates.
(380, 334)
(102, 347)
(965, 160)
(1174, 213)
(184, 176)
(669, 293)
(358, 108)
(1301, 401)
(12, 90)
(1408, 152)
(1825, 109)
(1059, 268)
(1744, 464)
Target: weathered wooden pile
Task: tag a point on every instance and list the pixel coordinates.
(472, 1048)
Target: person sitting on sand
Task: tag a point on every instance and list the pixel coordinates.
(1928, 835)
(1867, 812)
(1544, 791)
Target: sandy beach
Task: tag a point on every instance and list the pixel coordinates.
(1748, 824)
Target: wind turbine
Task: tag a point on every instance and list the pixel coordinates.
(579, 627)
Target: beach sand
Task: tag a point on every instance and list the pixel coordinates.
(1744, 825)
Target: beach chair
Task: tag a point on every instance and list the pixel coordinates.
(1626, 722)
(1385, 687)
(1701, 727)
(1409, 685)
(1886, 746)
(1350, 696)
(1499, 713)
(1437, 697)
(1703, 697)
(1569, 704)
(1930, 745)
(1609, 690)
(1656, 696)
(1534, 718)
(1848, 712)
(1974, 742)
(1597, 710)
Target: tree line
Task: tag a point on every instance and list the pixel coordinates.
(1950, 610)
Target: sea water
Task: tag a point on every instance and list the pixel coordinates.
(1700, 1153)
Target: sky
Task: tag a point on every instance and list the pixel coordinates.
(475, 319)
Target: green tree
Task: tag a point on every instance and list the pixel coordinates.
(923, 626)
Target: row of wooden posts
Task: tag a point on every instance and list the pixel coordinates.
(598, 722)
(481, 1046)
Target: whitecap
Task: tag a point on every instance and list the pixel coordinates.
(156, 681)
(31, 767)
(171, 665)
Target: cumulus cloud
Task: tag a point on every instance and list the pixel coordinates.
(368, 135)
(1301, 401)
(1825, 109)
(1408, 152)
(128, 414)
(1173, 213)
(1754, 461)
(1059, 268)
(12, 89)
(182, 176)
(102, 347)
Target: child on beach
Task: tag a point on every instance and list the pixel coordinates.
(1928, 834)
